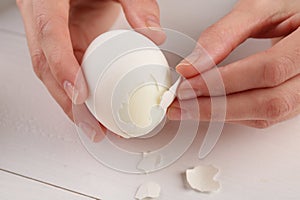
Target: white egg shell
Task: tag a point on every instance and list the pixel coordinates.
(148, 191)
(118, 65)
(201, 178)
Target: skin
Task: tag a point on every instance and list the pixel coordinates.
(262, 89)
(58, 33)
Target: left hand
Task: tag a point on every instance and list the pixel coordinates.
(262, 89)
(58, 33)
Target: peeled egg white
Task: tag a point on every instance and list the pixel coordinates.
(142, 101)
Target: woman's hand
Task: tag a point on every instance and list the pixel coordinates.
(262, 89)
(58, 33)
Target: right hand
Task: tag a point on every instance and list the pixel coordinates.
(58, 33)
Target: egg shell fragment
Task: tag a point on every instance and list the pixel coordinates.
(201, 178)
(148, 191)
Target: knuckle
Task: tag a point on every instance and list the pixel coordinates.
(195, 55)
(276, 108)
(220, 35)
(39, 64)
(279, 71)
(43, 25)
(214, 30)
(274, 75)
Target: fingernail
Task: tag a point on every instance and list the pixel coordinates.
(153, 24)
(154, 30)
(199, 60)
(77, 93)
(70, 90)
(185, 91)
(183, 63)
(93, 134)
(188, 63)
(189, 60)
(185, 94)
(81, 90)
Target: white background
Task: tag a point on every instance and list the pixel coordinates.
(41, 155)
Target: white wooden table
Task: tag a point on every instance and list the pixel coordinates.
(41, 155)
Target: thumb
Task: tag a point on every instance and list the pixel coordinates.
(144, 16)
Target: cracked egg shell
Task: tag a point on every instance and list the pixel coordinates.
(117, 65)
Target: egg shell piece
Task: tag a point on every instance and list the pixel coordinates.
(201, 178)
(149, 190)
(169, 96)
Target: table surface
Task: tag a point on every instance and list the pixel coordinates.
(41, 154)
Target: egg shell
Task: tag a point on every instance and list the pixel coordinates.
(114, 64)
(201, 178)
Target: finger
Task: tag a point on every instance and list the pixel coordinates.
(87, 123)
(282, 29)
(262, 124)
(219, 40)
(87, 22)
(39, 61)
(57, 92)
(25, 8)
(246, 109)
(276, 40)
(261, 104)
(77, 113)
(267, 69)
(51, 25)
(144, 16)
